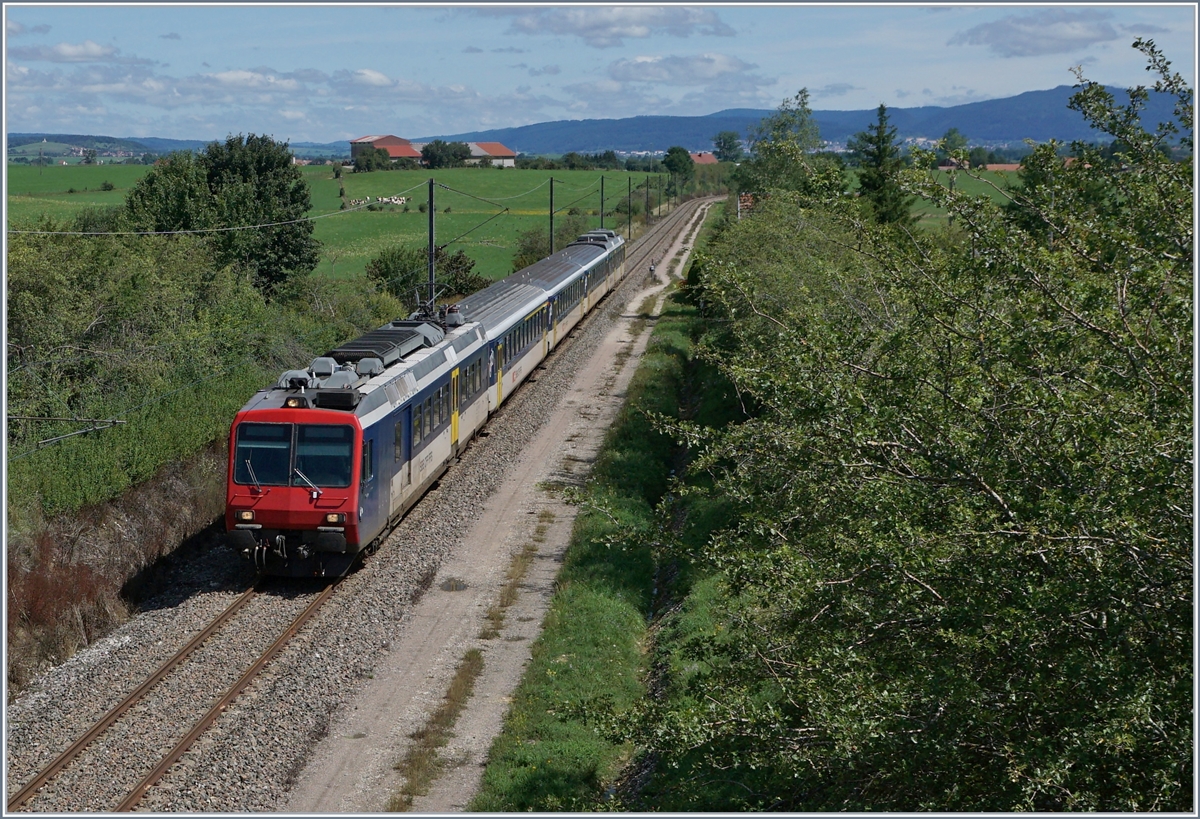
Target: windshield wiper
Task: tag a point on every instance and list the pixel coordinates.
(316, 489)
(253, 477)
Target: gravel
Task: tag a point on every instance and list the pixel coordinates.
(248, 759)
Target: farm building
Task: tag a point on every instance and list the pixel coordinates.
(704, 158)
(400, 148)
(500, 155)
(494, 151)
(397, 147)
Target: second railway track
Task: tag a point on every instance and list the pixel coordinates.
(247, 759)
(159, 720)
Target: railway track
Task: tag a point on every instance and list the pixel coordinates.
(136, 741)
(64, 761)
(653, 244)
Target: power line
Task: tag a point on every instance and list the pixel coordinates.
(199, 230)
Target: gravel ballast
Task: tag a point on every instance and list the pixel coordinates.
(252, 755)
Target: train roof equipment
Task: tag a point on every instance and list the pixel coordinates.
(389, 362)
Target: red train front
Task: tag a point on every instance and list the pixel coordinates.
(291, 500)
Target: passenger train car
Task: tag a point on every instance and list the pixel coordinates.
(325, 461)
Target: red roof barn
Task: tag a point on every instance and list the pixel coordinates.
(397, 147)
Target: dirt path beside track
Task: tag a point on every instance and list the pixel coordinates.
(351, 770)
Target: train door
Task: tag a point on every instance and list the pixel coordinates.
(402, 455)
(454, 410)
(499, 373)
(371, 514)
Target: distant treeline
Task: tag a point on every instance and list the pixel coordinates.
(606, 161)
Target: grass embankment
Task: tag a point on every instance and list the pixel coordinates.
(594, 648)
(593, 643)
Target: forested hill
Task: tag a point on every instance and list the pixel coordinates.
(1036, 115)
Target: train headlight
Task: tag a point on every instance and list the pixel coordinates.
(335, 518)
(296, 402)
(244, 516)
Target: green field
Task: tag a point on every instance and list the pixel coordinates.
(990, 185)
(351, 238)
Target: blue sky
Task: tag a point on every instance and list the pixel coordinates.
(322, 73)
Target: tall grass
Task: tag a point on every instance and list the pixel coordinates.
(592, 648)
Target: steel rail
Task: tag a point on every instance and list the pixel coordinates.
(160, 770)
(645, 247)
(22, 796)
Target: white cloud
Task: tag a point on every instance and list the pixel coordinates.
(15, 29)
(1051, 31)
(837, 89)
(699, 69)
(86, 52)
(254, 80)
(369, 76)
(602, 27)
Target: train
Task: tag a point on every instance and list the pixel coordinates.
(324, 462)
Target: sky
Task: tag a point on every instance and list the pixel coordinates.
(324, 73)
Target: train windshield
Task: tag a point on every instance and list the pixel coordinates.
(286, 454)
(324, 453)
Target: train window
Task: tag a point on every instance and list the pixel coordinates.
(429, 415)
(324, 453)
(437, 408)
(263, 455)
(418, 429)
(399, 448)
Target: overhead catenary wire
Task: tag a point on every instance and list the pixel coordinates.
(200, 230)
(580, 199)
(117, 418)
(498, 199)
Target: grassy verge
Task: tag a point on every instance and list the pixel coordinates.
(422, 765)
(516, 573)
(592, 648)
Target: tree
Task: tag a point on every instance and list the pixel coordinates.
(727, 146)
(957, 569)
(371, 158)
(248, 183)
(442, 154)
(953, 140)
(879, 163)
(173, 196)
(679, 162)
(534, 245)
(403, 271)
(783, 156)
(89, 157)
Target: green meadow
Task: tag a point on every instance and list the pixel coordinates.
(488, 208)
(478, 210)
(513, 200)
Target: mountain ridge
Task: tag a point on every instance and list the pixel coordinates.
(1035, 115)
